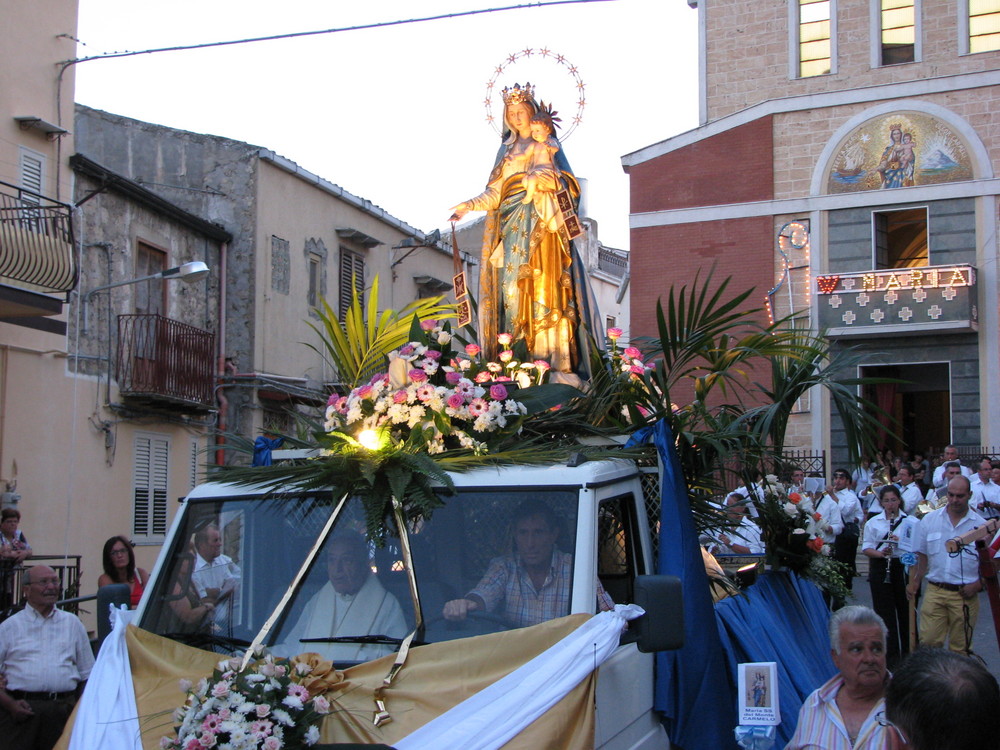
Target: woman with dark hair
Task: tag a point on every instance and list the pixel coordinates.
(532, 283)
(885, 570)
(120, 567)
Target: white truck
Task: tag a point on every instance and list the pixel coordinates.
(267, 538)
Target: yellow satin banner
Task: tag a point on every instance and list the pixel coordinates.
(436, 677)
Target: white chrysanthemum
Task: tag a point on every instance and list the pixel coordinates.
(282, 717)
(292, 701)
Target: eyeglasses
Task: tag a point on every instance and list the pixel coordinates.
(884, 722)
(46, 582)
(116, 552)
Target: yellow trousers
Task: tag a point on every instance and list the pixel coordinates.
(942, 617)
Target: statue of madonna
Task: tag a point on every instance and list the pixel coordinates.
(533, 284)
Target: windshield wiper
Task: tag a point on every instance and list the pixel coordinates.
(385, 639)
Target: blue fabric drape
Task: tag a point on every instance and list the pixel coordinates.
(693, 690)
(782, 618)
(262, 448)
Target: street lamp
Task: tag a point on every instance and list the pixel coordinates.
(189, 272)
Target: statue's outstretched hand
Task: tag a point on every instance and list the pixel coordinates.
(459, 211)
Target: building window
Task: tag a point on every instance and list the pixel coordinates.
(984, 25)
(32, 169)
(316, 256)
(815, 26)
(149, 488)
(900, 238)
(352, 277)
(897, 21)
(150, 296)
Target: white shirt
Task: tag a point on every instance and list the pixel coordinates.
(44, 654)
(929, 537)
(223, 574)
(758, 492)
(877, 529)
(850, 506)
(939, 475)
(827, 507)
(985, 491)
(910, 495)
(747, 534)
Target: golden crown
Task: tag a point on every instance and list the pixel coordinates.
(518, 94)
(895, 126)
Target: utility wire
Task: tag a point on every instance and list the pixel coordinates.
(360, 27)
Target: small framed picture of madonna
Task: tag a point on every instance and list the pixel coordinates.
(758, 694)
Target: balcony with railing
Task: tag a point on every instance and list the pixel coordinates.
(165, 363)
(894, 301)
(36, 253)
(612, 262)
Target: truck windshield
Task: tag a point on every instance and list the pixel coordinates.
(509, 553)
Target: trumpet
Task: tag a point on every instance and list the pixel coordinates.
(880, 478)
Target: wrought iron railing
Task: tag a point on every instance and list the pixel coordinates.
(36, 242)
(165, 360)
(67, 569)
(611, 261)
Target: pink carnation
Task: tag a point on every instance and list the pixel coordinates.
(472, 349)
(418, 376)
(498, 392)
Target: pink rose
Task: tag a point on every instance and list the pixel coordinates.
(428, 325)
(504, 339)
(271, 743)
(455, 401)
(452, 377)
(614, 333)
(498, 392)
(633, 353)
(364, 391)
(417, 376)
(472, 349)
(506, 355)
(332, 400)
(542, 365)
(637, 369)
(482, 377)
(432, 354)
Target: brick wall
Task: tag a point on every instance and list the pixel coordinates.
(733, 167)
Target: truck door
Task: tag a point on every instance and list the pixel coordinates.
(625, 717)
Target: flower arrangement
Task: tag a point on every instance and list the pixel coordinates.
(272, 704)
(792, 529)
(627, 360)
(437, 399)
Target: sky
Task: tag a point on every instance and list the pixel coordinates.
(396, 114)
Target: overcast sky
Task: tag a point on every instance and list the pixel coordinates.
(396, 114)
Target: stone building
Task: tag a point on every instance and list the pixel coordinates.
(845, 168)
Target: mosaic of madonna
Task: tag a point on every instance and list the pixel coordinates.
(899, 150)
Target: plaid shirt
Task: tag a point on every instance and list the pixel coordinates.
(523, 605)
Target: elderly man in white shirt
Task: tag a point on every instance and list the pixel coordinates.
(951, 602)
(46, 659)
(985, 493)
(950, 454)
(216, 577)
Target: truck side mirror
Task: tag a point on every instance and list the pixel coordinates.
(662, 627)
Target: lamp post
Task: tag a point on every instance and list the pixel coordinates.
(189, 272)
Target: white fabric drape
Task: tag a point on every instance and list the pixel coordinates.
(107, 716)
(493, 716)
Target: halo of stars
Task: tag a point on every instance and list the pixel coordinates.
(544, 52)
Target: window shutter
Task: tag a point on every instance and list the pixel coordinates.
(149, 487)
